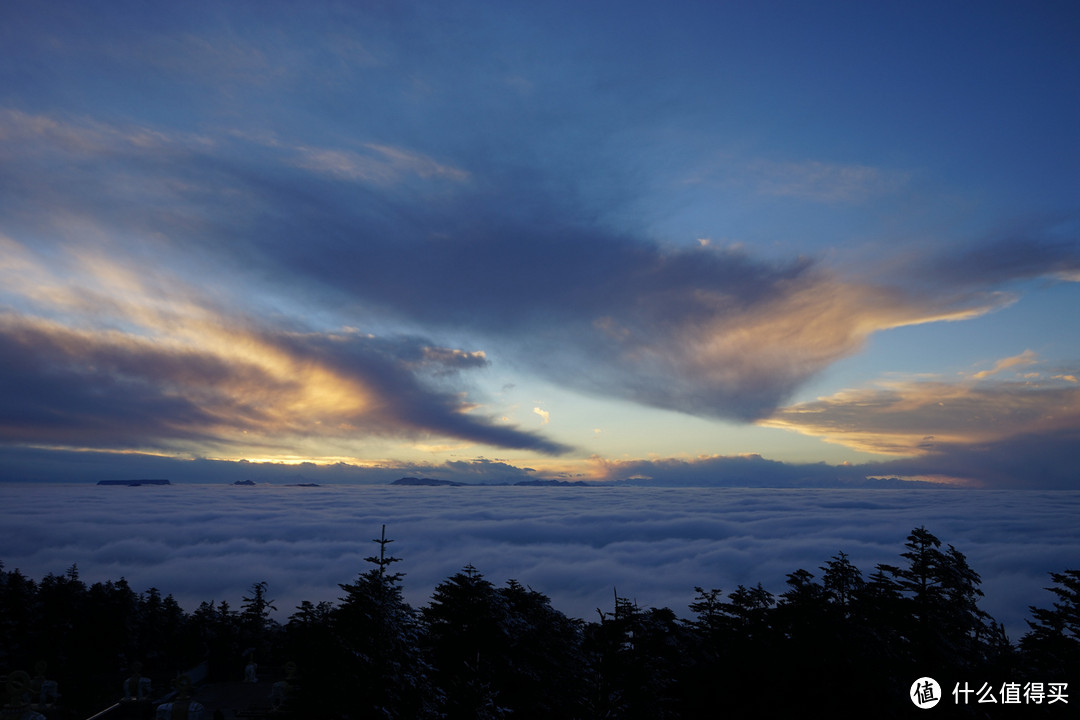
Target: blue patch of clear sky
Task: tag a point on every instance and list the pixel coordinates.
(946, 349)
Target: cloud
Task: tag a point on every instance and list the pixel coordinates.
(1023, 359)
(1016, 424)
(917, 417)
(706, 331)
(1044, 248)
(114, 391)
(545, 416)
(824, 182)
(509, 259)
(211, 542)
(50, 465)
(381, 165)
(146, 363)
(742, 471)
(1046, 459)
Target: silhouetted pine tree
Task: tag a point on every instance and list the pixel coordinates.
(544, 653)
(637, 662)
(259, 633)
(752, 651)
(255, 610)
(807, 642)
(947, 630)
(855, 650)
(165, 646)
(842, 582)
(1051, 648)
(61, 599)
(847, 644)
(309, 641)
(18, 619)
(704, 685)
(217, 635)
(383, 673)
(467, 636)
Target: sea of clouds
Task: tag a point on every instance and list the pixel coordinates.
(577, 545)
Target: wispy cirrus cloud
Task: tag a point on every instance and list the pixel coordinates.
(378, 164)
(831, 183)
(28, 137)
(823, 182)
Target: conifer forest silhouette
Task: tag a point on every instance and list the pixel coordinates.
(833, 638)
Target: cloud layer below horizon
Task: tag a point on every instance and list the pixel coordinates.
(577, 545)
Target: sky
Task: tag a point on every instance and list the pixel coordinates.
(767, 243)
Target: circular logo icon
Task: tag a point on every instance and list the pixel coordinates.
(925, 693)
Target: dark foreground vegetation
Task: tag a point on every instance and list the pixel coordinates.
(834, 643)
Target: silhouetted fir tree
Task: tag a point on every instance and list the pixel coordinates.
(855, 651)
(708, 644)
(604, 644)
(61, 598)
(1051, 648)
(115, 608)
(708, 608)
(880, 608)
(921, 583)
(310, 615)
(658, 664)
(748, 608)
(106, 638)
(974, 634)
(60, 608)
(637, 662)
(228, 642)
(842, 582)
(849, 644)
(255, 610)
(18, 619)
(948, 633)
(309, 641)
(752, 650)
(385, 674)
(806, 647)
(259, 633)
(208, 628)
(467, 636)
(544, 653)
(165, 646)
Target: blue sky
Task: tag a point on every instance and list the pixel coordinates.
(568, 240)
